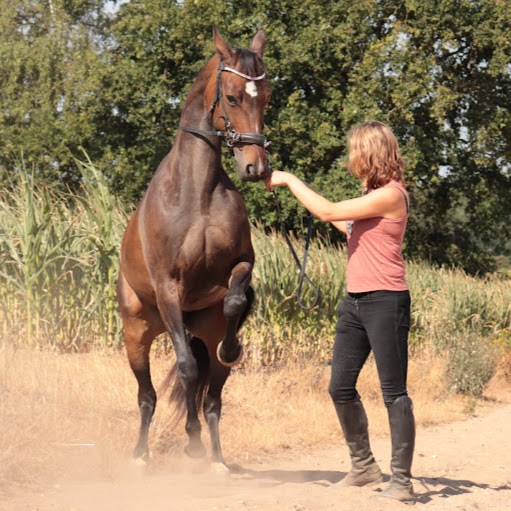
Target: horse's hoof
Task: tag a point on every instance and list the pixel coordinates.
(136, 468)
(196, 451)
(219, 468)
(225, 362)
(141, 455)
(139, 462)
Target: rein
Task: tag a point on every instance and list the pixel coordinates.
(303, 265)
(231, 136)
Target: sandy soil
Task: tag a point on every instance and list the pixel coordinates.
(460, 466)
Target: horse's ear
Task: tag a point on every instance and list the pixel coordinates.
(258, 42)
(221, 46)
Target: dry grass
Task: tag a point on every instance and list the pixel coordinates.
(69, 416)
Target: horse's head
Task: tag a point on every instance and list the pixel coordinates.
(237, 96)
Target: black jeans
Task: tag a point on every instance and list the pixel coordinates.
(378, 321)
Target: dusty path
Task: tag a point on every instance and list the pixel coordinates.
(460, 466)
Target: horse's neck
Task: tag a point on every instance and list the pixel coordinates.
(197, 158)
(191, 174)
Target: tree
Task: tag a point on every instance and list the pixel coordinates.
(48, 84)
(437, 71)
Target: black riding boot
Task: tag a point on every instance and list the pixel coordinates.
(402, 432)
(364, 469)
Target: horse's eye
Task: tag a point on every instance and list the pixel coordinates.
(232, 100)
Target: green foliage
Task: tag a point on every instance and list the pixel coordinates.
(438, 71)
(447, 302)
(34, 248)
(49, 85)
(471, 365)
(59, 263)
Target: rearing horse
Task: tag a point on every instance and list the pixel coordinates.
(186, 254)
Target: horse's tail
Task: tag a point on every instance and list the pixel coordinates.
(177, 396)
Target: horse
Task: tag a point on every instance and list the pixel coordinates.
(186, 257)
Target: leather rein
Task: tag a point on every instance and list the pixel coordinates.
(231, 136)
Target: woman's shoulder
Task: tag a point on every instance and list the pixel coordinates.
(395, 183)
(391, 196)
(389, 188)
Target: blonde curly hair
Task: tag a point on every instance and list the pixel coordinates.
(374, 155)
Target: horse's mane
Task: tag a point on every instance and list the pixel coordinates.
(249, 62)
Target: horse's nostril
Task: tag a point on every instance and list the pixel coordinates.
(250, 169)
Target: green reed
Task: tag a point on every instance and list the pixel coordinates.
(58, 264)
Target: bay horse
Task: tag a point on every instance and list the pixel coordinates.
(186, 255)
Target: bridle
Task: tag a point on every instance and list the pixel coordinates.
(233, 137)
(230, 134)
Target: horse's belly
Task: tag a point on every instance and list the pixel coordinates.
(201, 297)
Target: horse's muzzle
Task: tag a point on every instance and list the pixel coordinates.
(252, 163)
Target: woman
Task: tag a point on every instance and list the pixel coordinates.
(375, 314)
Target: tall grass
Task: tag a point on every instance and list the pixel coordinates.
(59, 264)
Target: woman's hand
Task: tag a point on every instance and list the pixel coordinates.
(277, 178)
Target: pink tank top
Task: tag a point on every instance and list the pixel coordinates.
(375, 260)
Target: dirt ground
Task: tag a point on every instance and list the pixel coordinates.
(460, 466)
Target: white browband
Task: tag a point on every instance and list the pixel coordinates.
(254, 78)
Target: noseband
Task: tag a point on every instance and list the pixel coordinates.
(231, 136)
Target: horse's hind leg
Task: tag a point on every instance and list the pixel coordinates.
(138, 345)
(237, 305)
(210, 324)
(213, 409)
(141, 325)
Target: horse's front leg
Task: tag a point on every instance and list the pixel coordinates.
(237, 305)
(188, 372)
